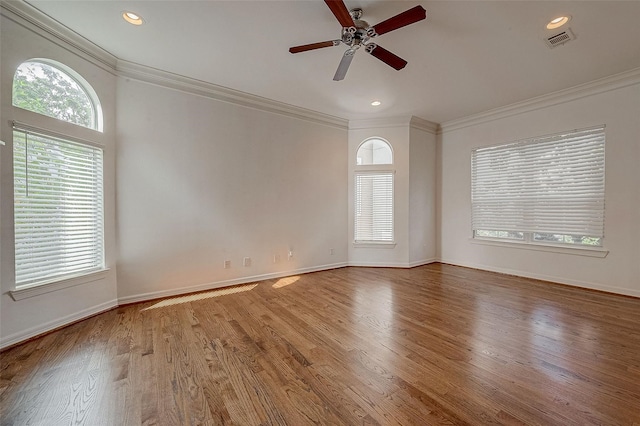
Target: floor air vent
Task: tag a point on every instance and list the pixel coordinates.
(560, 38)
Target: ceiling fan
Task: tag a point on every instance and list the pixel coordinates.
(357, 33)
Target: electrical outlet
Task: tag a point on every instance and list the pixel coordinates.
(246, 261)
(290, 254)
(276, 258)
(227, 264)
(331, 251)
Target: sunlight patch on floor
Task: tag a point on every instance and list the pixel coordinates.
(203, 295)
(283, 282)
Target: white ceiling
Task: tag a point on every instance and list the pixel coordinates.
(466, 57)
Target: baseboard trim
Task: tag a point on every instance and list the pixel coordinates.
(50, 326)
(423, 262)
(23, 336)
(405, 265)
(378, 264)
(544, 277)
(226, 283)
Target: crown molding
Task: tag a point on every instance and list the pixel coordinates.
(606, 84)
(379, 122)
(33, 19)
(223, 94)
(422, 124)
(399, 121)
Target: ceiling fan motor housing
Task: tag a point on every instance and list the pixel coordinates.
(358, 34)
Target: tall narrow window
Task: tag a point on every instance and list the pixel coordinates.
(374, 192)
(547, 190)
(58, 209)
(58, 179)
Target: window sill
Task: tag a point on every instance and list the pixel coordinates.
(47, 287)
(374, 245)
(579, 251)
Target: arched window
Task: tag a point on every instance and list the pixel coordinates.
(374, 192)
(58, 178)
(54, 90)
(374, 151)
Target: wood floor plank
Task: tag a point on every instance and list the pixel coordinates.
(432, 345)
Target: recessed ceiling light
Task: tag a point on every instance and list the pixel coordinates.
(132, 18)
(558, 22)
(376, 103)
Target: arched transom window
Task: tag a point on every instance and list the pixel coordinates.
(56, 91)
(374, 151)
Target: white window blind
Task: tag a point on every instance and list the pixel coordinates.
(374, 207)
(553, 184)
(58, 195)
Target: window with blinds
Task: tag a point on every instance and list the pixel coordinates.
(58, 195)
(374, 207)
(542, 190)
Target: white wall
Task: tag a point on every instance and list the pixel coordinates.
(422, 197)
(619, 271)
(22, 319)
(202, 181)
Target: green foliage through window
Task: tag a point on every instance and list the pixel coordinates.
(538, 237)
(47, 90)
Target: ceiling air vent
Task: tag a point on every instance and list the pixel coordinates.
(560, 38)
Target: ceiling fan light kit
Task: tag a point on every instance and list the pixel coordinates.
(357, 33)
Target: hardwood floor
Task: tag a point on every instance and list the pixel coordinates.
(436, 344)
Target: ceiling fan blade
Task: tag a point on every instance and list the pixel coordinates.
(312, 46)
(385, 56)
(344, 65)
(403, 19)
(341, 12)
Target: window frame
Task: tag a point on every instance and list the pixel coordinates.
(528, 239)
(78, 134)
(97, 119)
(374, 170)
(369, 141)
